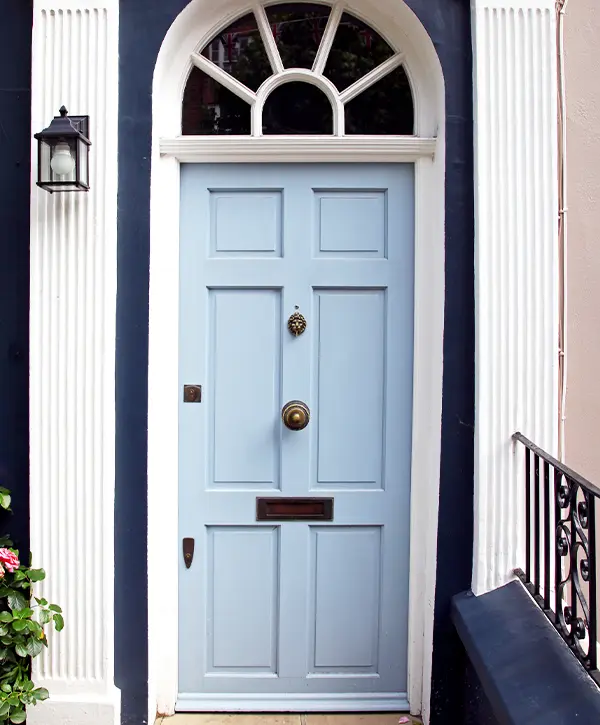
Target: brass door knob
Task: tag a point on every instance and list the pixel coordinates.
(295, 415)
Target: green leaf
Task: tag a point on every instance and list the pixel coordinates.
(41, 693)
(3, 653)
(42, 602)
(16, 600)
(6, 617)
(19, 625)
(55, 608)
(36, 575)
(45, 616)
(59, 622)
(6, 687)
(24, 613)
(34, 646)
(5, 500)
(18, 717)
(21, 650)
(4, 708)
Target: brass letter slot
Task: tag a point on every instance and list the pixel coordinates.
(294, 509)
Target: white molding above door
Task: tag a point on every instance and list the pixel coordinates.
(290, 149)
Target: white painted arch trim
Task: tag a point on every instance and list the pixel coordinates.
(194, 27)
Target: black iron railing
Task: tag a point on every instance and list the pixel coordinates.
(560, 550)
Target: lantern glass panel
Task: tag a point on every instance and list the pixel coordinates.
(82, 160)
(45, 171)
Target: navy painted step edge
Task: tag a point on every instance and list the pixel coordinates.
(527, 672)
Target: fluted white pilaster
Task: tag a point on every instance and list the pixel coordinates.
(516, 266)
(73, 289)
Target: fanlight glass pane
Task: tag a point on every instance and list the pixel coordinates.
(298, 29)
(211, 109)
(384, 108)
(356, 50)
(239, 50)
(297, 108)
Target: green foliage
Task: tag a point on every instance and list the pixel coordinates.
(22, 635)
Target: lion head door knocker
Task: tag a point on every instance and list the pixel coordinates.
(296, 323)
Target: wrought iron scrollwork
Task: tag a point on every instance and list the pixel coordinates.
(574, 620)
(560, 522)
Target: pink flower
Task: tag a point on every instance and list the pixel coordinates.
(1, 572)
(9, 559)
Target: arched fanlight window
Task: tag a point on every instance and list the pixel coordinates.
(369, 89)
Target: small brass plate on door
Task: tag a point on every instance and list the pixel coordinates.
(192, 393)
(294, 509)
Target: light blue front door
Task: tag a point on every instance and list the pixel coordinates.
(295, 615)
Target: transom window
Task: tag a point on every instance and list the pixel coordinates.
(297, 68)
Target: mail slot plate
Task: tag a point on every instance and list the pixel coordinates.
(294, 509)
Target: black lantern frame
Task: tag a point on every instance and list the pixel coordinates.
(72, 131)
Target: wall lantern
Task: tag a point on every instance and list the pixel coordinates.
(63, 154)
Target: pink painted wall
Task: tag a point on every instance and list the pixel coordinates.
(582, 42)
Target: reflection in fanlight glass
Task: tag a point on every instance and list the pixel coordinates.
(297, 108)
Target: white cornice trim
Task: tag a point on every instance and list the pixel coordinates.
(238, 149)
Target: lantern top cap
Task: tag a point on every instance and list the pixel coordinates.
(61, 127)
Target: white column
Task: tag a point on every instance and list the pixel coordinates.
(73, 291)
(516, 213)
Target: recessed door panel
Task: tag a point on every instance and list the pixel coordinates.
(242, 590)
(245, 223)
(346, 597)
(350, 358)
(245, 355)
(294, 468)
(351, 223)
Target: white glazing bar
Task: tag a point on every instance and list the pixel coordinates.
(516, 287)
(371, 78)
(328, 38)
(268, 38)
(226, 80)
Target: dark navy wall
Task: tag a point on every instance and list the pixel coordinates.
(143, 25)
(15, 149)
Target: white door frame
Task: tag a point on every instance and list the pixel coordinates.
(193, 27)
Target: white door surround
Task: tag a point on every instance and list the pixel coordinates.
(73, 267)
(195, 26)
